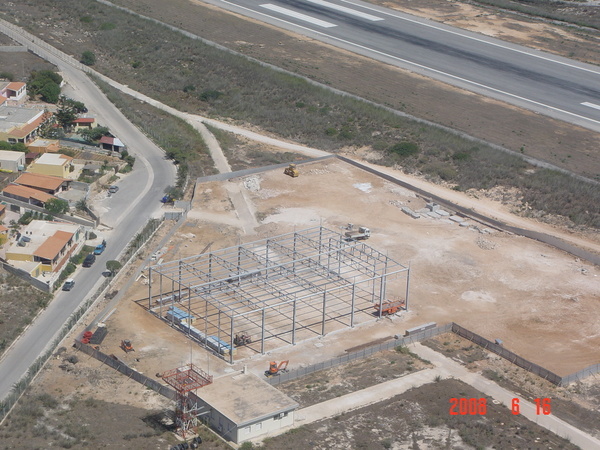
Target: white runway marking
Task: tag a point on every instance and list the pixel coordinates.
(591, 105)
(299, 16)
(350, 11)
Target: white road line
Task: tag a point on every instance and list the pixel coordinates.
(591, 105)
(458, 33)
(297, 15)
(353, 44)
(350, 11)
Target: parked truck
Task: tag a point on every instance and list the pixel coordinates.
(358, 235)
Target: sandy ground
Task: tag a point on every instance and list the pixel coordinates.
(536, 299)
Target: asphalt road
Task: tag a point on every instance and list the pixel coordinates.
(561, 88)
(137, 200)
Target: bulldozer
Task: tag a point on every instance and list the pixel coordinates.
(292, 171)
(242, 339)
(127, 346)
(276, 369)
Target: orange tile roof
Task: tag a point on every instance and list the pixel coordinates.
(39, 181)
(15, 85)
(3, 229)
(27, 192)
(84, 120)
(26, 129)
(53, 245)
(2, 208)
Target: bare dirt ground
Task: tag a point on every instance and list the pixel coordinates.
(539, 301)
(577, 404)
(501, 286)
(420, 419)
(564, 145)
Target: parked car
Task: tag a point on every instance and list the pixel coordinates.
(89, 260)
(113, 189)
(69, 283)
(100, 248)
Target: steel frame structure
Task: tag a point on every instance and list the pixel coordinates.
(188, 378)
(273, 288)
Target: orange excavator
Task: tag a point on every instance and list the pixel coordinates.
(127, 346)
(276, 369)
(389, 307)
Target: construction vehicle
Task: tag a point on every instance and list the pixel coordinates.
(389, 307)
(292, 171)
(127, 346)
(242, 339)
(358, 235)
(276, 369)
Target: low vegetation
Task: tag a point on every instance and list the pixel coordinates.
(181, 142)
(555, 10)
(222, 84)
(19, 304)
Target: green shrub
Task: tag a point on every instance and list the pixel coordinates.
(404, 149)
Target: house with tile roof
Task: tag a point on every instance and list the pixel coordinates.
(18, 124)
(27, 195)
(13, 92)
(44, 246)
(45, 183)
(84, 123)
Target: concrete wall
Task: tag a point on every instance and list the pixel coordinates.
(11, 164)
(50, 169)
(260, 428)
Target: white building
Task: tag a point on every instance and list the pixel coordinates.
(12, 161)
(242, 406)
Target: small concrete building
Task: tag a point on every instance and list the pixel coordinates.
(54, 164)
(111, 143)
(40, 145)
(242, 406)
(12, 161)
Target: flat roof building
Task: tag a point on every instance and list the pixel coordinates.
(12, 161)
(242, 406)
(54, 164)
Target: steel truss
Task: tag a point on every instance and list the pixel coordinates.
(273, 288)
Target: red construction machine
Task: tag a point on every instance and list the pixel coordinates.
(389, 307)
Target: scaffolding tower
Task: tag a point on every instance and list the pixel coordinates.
(274, 288)
(185, 380)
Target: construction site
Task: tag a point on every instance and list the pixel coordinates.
(265, 276)
(276, 291)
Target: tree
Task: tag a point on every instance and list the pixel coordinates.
(68, 110)
(50, 92)
(113, 267)
(57, 206)
(93, 134)
(88, 58)
(46, 84)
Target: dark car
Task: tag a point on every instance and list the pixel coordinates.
(89, 260)
(68, 284)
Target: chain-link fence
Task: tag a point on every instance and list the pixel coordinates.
(19, 388)
(117, 364)
(583, 373)
(367, 351)
(507, 354)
